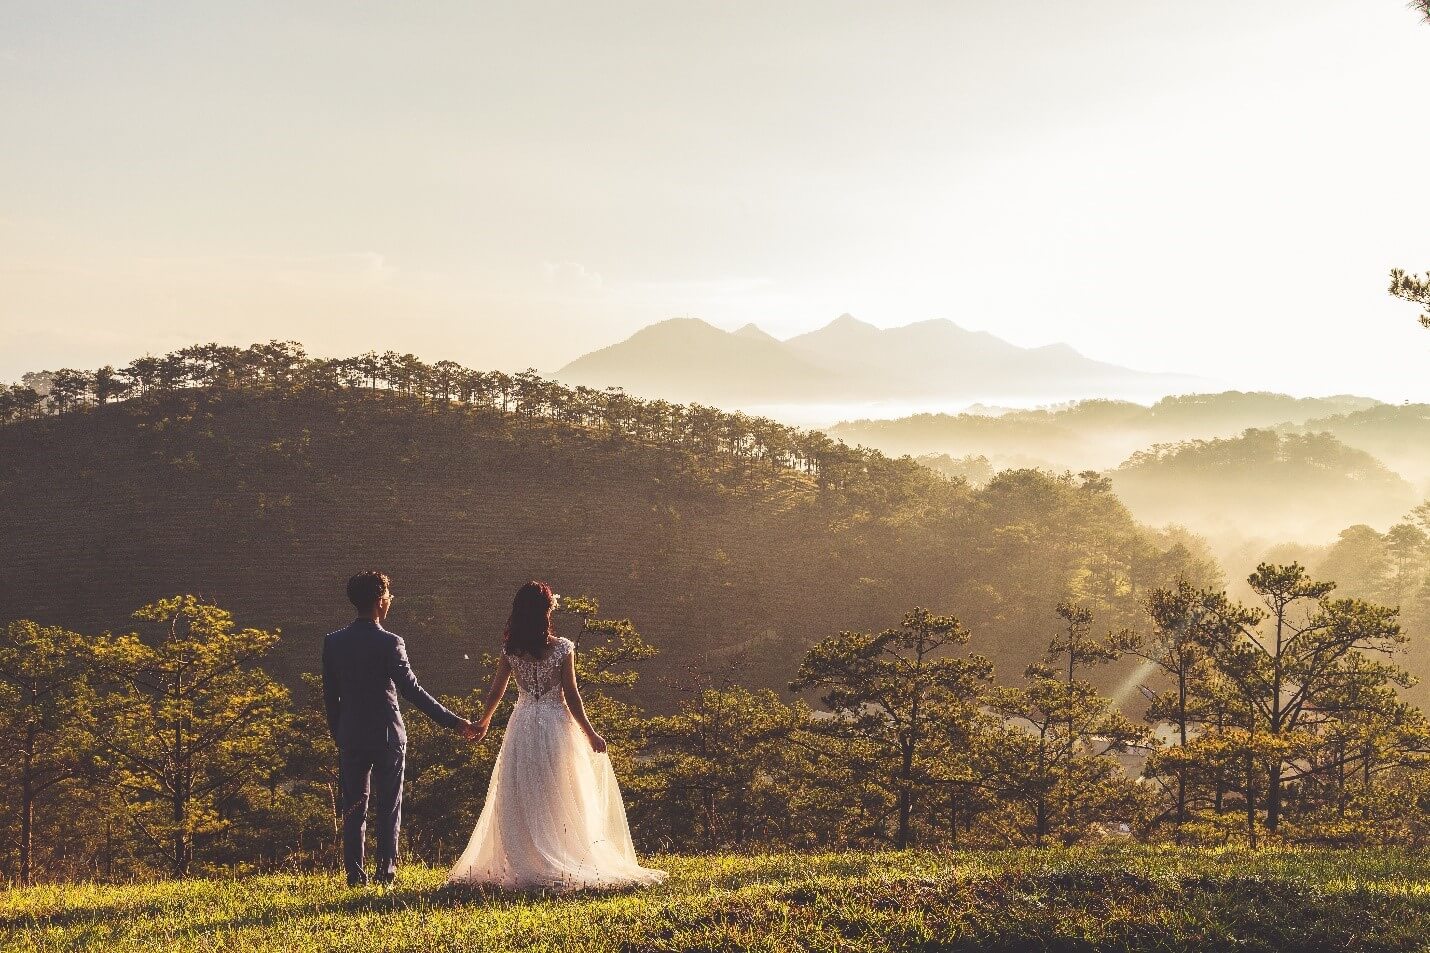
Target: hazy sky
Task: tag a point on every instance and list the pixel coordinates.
(1216, 188)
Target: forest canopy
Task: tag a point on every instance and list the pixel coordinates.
(727, 537)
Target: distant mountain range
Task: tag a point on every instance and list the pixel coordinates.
(688, 359)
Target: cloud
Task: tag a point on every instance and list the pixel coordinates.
(571, 277)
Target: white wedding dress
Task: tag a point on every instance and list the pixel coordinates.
(553, 817)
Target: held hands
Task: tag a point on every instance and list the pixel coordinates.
(476, 731)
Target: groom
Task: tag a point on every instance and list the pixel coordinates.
(364, 668)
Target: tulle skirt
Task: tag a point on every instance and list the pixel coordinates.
(553, 817)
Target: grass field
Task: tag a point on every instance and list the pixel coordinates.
(1134, 898)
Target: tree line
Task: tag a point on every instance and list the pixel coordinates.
(284, 366)
(1392, 567)
(168, 750)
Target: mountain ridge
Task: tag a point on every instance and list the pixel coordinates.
(689, 359)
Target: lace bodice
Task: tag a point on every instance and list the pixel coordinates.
(540, 679)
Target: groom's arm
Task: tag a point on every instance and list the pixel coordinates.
(331, 699)
(400, 671)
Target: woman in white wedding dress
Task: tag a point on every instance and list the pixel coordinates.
(553, 816)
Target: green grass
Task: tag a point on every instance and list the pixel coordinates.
(1137, 898)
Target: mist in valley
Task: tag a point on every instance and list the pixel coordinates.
(1249, 472)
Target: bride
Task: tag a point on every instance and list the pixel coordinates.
(553, 817)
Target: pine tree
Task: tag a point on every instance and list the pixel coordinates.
(1185, 622)
(46, 705)
(724, 769)
(1406, 286)
(1050, 757)
(893, 694)
(192, 721)
(1284, 659)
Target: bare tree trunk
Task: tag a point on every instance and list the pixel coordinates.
(906, 775)
(27, 819)
(902, 839)
(1273, 796)
(1250, 802)
(1341, 779)
(953, 815)
(708, 806)
(1182, 761)
(180, 859)
(1365, 780)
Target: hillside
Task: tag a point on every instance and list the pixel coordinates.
(1261, 483)
(1177, 901)
(846, 360)
(266, 500)
(1097, 434)
(1398, 435)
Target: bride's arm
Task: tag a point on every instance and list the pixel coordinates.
(573, 701)
(494, 696)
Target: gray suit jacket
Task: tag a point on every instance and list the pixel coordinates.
(364, 668)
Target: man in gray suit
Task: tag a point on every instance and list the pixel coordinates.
(364, 668)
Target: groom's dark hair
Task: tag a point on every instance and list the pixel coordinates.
(366, 588)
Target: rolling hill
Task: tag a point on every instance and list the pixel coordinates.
(1261, 483)
(1097, 434)
(265, 500)
(1397, 434)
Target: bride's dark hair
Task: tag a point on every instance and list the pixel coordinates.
(529, 627)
